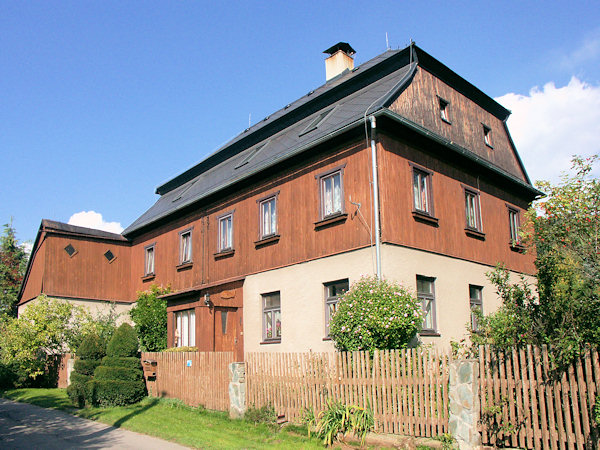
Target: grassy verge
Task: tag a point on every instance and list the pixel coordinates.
(174, 421)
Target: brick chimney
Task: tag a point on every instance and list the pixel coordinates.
(340, 58)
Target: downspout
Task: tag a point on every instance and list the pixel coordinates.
(375, 198)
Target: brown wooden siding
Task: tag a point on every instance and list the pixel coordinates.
(449, 236)
(87, 274)
(34, 284)
(297, 210)
(419, 103)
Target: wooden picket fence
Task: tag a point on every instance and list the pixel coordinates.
(524, 403)
(406, 389)
(196, 378)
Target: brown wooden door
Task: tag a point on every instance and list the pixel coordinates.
(227, 331)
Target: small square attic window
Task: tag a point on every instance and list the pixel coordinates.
(444, 109)
(70, 250)
(487, 136)
(109, 256)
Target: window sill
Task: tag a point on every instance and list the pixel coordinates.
(475, 233)
(224, 254)
(267, 240)
(429, 333)
(184, 266)
(446, 121)
(331, 220)
(148, 277)
(327, 339)
(425, 218)
(273, 341)
(491, 147)
(515, 247)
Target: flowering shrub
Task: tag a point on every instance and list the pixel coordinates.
(375, 314)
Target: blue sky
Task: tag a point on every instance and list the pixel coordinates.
(102, 101)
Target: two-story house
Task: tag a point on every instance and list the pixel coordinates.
(397, 166)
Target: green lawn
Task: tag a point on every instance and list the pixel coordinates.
(173, 421)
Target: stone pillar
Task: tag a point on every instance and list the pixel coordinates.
(237, 390)
(464, 403)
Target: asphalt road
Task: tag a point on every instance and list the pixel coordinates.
(24, 426)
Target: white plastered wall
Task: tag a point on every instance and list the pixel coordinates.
(302, 293)
(95, 307)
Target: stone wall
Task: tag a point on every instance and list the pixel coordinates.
(464, 403)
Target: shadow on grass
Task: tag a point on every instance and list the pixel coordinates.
(136, 410)
(44, 399)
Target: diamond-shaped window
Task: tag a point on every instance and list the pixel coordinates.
(70, 250)
(109, 256)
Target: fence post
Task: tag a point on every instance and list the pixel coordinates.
(237, 390)
(464, 403)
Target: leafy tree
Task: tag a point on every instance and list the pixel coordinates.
(46, 327)
(13, 262)
(564, 230)
(150, 318)
(375, 314)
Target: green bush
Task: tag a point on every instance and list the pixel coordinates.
(265, 414)
(119, 379)
(118, 392)
(117, 373)
(150, 317)
(597, 410)
(375, 314)
(181, 349)
(85, 366)
(132, 363)
(93, 347)
(124, 342)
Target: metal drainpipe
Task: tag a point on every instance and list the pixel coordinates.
(375, 198)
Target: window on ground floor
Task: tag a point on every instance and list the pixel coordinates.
(185, 328)
(271, 305)
(426, 294)
(333, 293)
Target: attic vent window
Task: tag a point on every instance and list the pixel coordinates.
(487, 136)
(444, 109)
(70, 250)
(314, 124)
(251, 155)
(109, 256)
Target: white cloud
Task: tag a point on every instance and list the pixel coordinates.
(27, 246)
(551, 125)
(588, 51)
(92, 219)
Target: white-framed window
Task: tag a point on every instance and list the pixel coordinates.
(473, 210)
(426, 294)
(475, 304)
(149, 252)
(513, 226)
(487, 135)
(225, 232)
(185, 246)
(271, 307)
(331, 189)
(185, 328)
(333, 292)
(422, 192)
(267, 209)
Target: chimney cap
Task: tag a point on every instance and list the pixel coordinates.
(343, 46)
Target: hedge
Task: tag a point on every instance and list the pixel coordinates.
(117, 373)
(85, 366)
(118, 392)
(132, 363)
(124, 342)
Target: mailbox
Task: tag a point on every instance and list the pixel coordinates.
(149, 367)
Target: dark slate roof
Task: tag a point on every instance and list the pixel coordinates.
(331, 109)
(51, 225)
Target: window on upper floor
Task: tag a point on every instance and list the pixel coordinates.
(422, 193)
(267, 209)
(225, 232)
(333, 293)
(444, 109)
(473, 210)
(149, 252)
(426, 294)
(487, 136)
(513, 226)
(331, 193)
(475, 304)
(70, 250)
(110, 256)
(271, 306)
(185, 246)
(185, 328)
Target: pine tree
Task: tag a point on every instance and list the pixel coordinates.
(13, 261)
